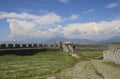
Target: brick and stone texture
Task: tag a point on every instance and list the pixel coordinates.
(112, 56)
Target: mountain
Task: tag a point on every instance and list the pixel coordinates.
(48, 41)
(115, 39)
(52, 40)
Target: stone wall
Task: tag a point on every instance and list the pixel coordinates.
(12, 46)
(58, 45)
(68, 47)
(26, 49)
(112, 56)
(90, 46)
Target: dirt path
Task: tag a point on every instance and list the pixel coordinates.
(109, 72)
(94, 69)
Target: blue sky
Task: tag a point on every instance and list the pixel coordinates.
(85, 19)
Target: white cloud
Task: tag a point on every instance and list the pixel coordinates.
(19, 27)
(25, 24)
(112, 5)
(31, 29)
(46, 19)
(51, 32)
(88, 11)
(29, 25)
(73, 17)
(92, 30)
(64, 1)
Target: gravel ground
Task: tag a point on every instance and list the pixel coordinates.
(94, 69)
(109, 72)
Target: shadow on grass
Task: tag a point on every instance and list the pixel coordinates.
(23, 52)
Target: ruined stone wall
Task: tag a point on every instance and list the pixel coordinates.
(112, 56)
(90, 46)
(58, 45)
(68, 47)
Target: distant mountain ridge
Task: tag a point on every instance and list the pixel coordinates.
(115, 39)
(52, 40)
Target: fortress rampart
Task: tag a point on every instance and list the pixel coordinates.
(32, 48)
(55, 45)
(7, 46)
(90, 46)
(26, 49)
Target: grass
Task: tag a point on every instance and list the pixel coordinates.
(38, 66)
(86, 55)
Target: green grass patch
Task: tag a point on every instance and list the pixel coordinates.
(86, 55)
(39, 66)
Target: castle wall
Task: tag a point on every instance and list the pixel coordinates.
(55, 46)
(90, 46)
(59, 45)
(112, 56)
(26, 49)
(7, 46)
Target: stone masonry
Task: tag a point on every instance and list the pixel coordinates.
(112, 55)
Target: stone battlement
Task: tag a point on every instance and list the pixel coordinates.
(56, 45)
(6, 46)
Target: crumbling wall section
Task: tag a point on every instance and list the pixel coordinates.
(112, 55)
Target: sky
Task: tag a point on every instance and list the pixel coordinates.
(74, 19)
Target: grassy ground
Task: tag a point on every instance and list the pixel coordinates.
(86, 55)
(92, 69)
(83, 69)
(39, 66)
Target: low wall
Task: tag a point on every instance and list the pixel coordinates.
(90, 46)
(26, 49)
(59, 45)
(112, 56)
